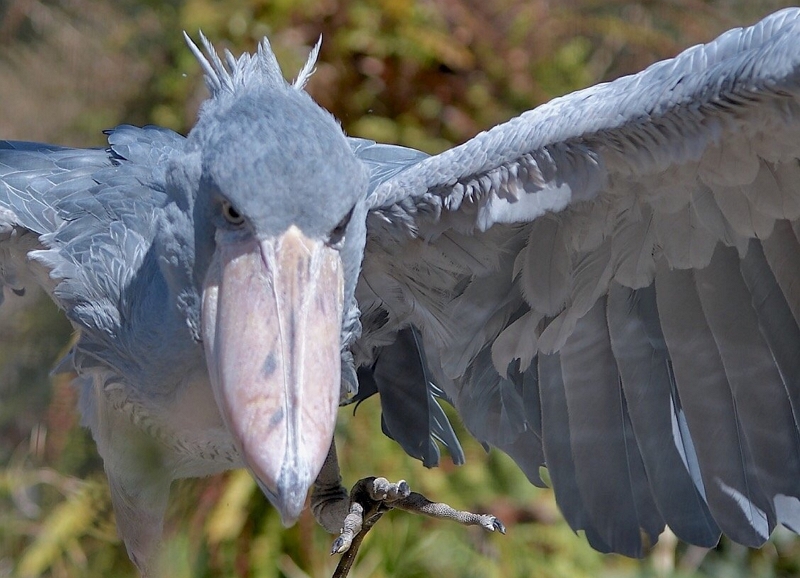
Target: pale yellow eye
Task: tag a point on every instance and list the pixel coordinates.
(231, 215)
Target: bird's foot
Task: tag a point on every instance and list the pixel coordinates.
(371, 497)
(354, 515)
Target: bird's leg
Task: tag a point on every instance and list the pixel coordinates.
(333, 506)
(329, 499)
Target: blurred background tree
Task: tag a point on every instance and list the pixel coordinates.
(423, 74)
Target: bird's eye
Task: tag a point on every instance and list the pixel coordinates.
(337, 234)
(231, 215)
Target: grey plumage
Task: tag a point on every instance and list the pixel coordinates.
(747, 359)
(557, 446)
(606, 285)
(411, 414)
(648, 385)
(731, 485)
(775, 320)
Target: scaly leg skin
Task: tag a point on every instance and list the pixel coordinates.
(330, 501)
(369, 499)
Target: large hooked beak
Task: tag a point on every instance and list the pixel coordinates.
(272, 317)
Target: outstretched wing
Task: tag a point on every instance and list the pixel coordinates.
(79, 222)
(610, 285)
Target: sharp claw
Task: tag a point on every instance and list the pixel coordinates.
(351, 527)
(491, 523)
(340, 545)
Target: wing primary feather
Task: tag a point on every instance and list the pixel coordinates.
(760, 398)
(493, 410)
(491, 405)
(782, 333)
(608, 465)
(683, 437)
(733, 492)
(782, 251)
(440, 427)
(643, 362)
(558, 451)
(401, 376)
(531, 398)
(775, 319)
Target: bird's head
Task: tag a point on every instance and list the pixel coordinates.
(279, 226)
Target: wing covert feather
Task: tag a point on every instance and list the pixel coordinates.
(716, 105)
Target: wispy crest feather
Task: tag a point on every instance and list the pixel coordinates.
(249, 70)
(308, 68)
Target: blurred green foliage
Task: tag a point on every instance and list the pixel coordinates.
(423, 74)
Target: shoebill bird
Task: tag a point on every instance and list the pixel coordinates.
(607, 285)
